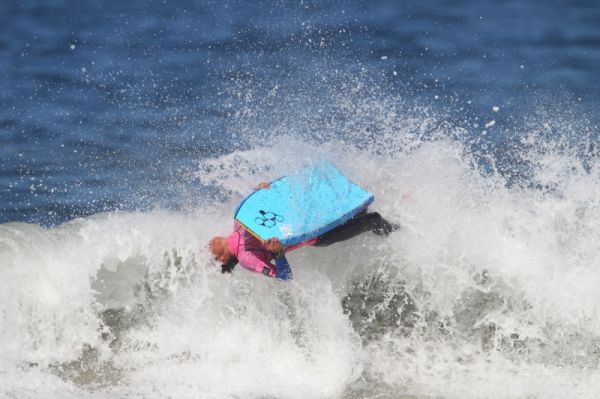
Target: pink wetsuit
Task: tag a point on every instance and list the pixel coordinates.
(251, 253)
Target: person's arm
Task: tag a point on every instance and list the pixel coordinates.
(280, 270)
(253, 263)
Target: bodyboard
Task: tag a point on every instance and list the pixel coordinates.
(302, 205)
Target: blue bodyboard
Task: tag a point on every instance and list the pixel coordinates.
(302, 205)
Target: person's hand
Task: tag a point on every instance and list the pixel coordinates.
(273, 245)
(264, 185)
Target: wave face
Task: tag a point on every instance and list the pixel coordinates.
(489, 289)
(129, 134)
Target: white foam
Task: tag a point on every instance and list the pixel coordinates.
(510, 273)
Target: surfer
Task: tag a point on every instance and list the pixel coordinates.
(257, 256)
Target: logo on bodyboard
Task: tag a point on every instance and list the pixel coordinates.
(268, 219)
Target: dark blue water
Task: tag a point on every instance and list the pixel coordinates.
(110, 105)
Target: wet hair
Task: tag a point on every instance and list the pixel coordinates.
(228, 267)
(230, 264)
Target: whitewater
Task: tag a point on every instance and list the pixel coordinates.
(130, 131)
(489, 289)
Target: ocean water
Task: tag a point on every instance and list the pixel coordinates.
(130, 130)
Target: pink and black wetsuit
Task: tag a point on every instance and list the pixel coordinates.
(251, 253)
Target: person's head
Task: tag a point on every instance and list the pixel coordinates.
(221, 253)
(218, 248)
